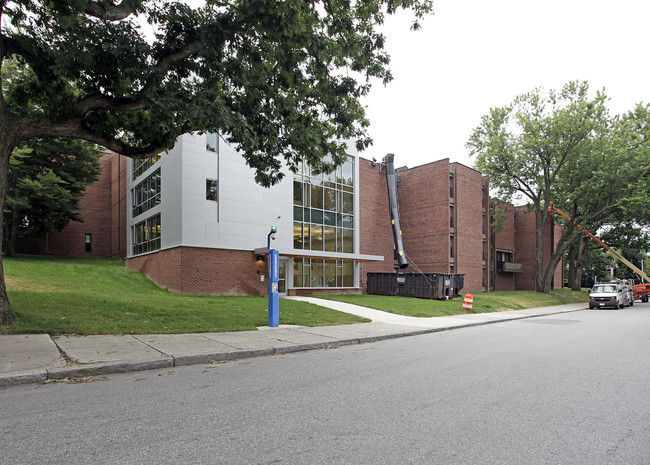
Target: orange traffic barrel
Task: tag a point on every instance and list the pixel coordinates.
(467, 303)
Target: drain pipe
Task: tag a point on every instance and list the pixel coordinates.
(391, 181)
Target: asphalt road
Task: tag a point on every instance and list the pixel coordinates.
(564, 389)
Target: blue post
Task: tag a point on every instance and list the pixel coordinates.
(274, 278)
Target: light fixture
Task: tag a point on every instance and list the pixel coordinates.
(259, 259)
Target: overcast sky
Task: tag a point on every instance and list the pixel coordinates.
(476, 54)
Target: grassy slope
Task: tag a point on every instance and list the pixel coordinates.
(101, 296)
(486, 302)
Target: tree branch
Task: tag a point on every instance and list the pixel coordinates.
(40, 126)
(104, 102)
(113, 12)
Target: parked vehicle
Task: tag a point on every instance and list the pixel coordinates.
(608, 295)
(628, 284)
(642, 291)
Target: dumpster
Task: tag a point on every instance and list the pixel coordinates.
(422, 285)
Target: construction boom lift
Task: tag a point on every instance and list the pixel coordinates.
(641, 291)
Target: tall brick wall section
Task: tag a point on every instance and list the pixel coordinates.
(505, 240)
(525, 227)
(118, 206)
(203, 271)
(424, 211)
(376, 234)
(469, 232)
(95, 210)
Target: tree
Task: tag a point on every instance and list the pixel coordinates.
(46, 180)
(281, 81)
(563, 147)
(524, 148)
(606, 188)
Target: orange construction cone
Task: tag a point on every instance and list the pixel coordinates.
(467, 303)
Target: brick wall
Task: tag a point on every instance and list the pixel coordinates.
(505, 240)
(95, 207)
(424, 210)
(203, 271)
(525, 228)
(376, 233)
(471, 232)
(118, 206)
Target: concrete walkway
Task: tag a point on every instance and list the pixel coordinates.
(33, 358)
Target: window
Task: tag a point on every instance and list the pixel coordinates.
(316, 272)
(89, 242)
(323, 209)
(451, 246)
(503, 257)
(145, 235)
(212, 190)
(451, 216)
(451, 186)
(212, 142)
(146, 195)
(142, 165)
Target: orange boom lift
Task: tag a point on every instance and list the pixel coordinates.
(641, 290)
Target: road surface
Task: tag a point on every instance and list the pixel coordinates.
(563, 389)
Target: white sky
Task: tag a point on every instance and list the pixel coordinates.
(476, 54)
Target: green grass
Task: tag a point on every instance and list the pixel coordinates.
(486, 302)
(101, 296)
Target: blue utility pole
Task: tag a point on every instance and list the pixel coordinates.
(274, 278)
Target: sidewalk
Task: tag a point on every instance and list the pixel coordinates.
(34, 358)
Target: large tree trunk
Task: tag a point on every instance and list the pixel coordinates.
(540, 219)
(572, 260)
(10, 237)
(576, 259)
(7, 145)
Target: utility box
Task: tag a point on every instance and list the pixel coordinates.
(422, 285)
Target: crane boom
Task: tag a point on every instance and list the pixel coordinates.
(612, 252)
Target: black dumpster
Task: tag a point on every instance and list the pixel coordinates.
(423, 285)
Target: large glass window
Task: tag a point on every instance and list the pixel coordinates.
(317, 272)
(146, 195)
(142, 165)
(145, 235)
(323, 211)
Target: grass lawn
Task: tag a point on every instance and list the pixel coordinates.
(101, 296)
(486, 302)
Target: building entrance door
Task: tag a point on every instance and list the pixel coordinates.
(282, 280)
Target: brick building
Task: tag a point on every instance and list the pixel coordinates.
(103, 230)
(193, 220)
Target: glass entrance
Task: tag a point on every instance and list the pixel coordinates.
(282, 280)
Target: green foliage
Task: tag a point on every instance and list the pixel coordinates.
(525, 146)
(101, 296)
(499, 215)
(564, 147)
(47, 178)
(281, 81)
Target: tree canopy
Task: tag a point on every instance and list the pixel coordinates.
(46, 181)
(281, 81)
(563, 147)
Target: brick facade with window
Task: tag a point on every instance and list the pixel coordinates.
(444, 213)
(103, 209)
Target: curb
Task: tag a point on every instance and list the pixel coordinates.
(107, 368)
